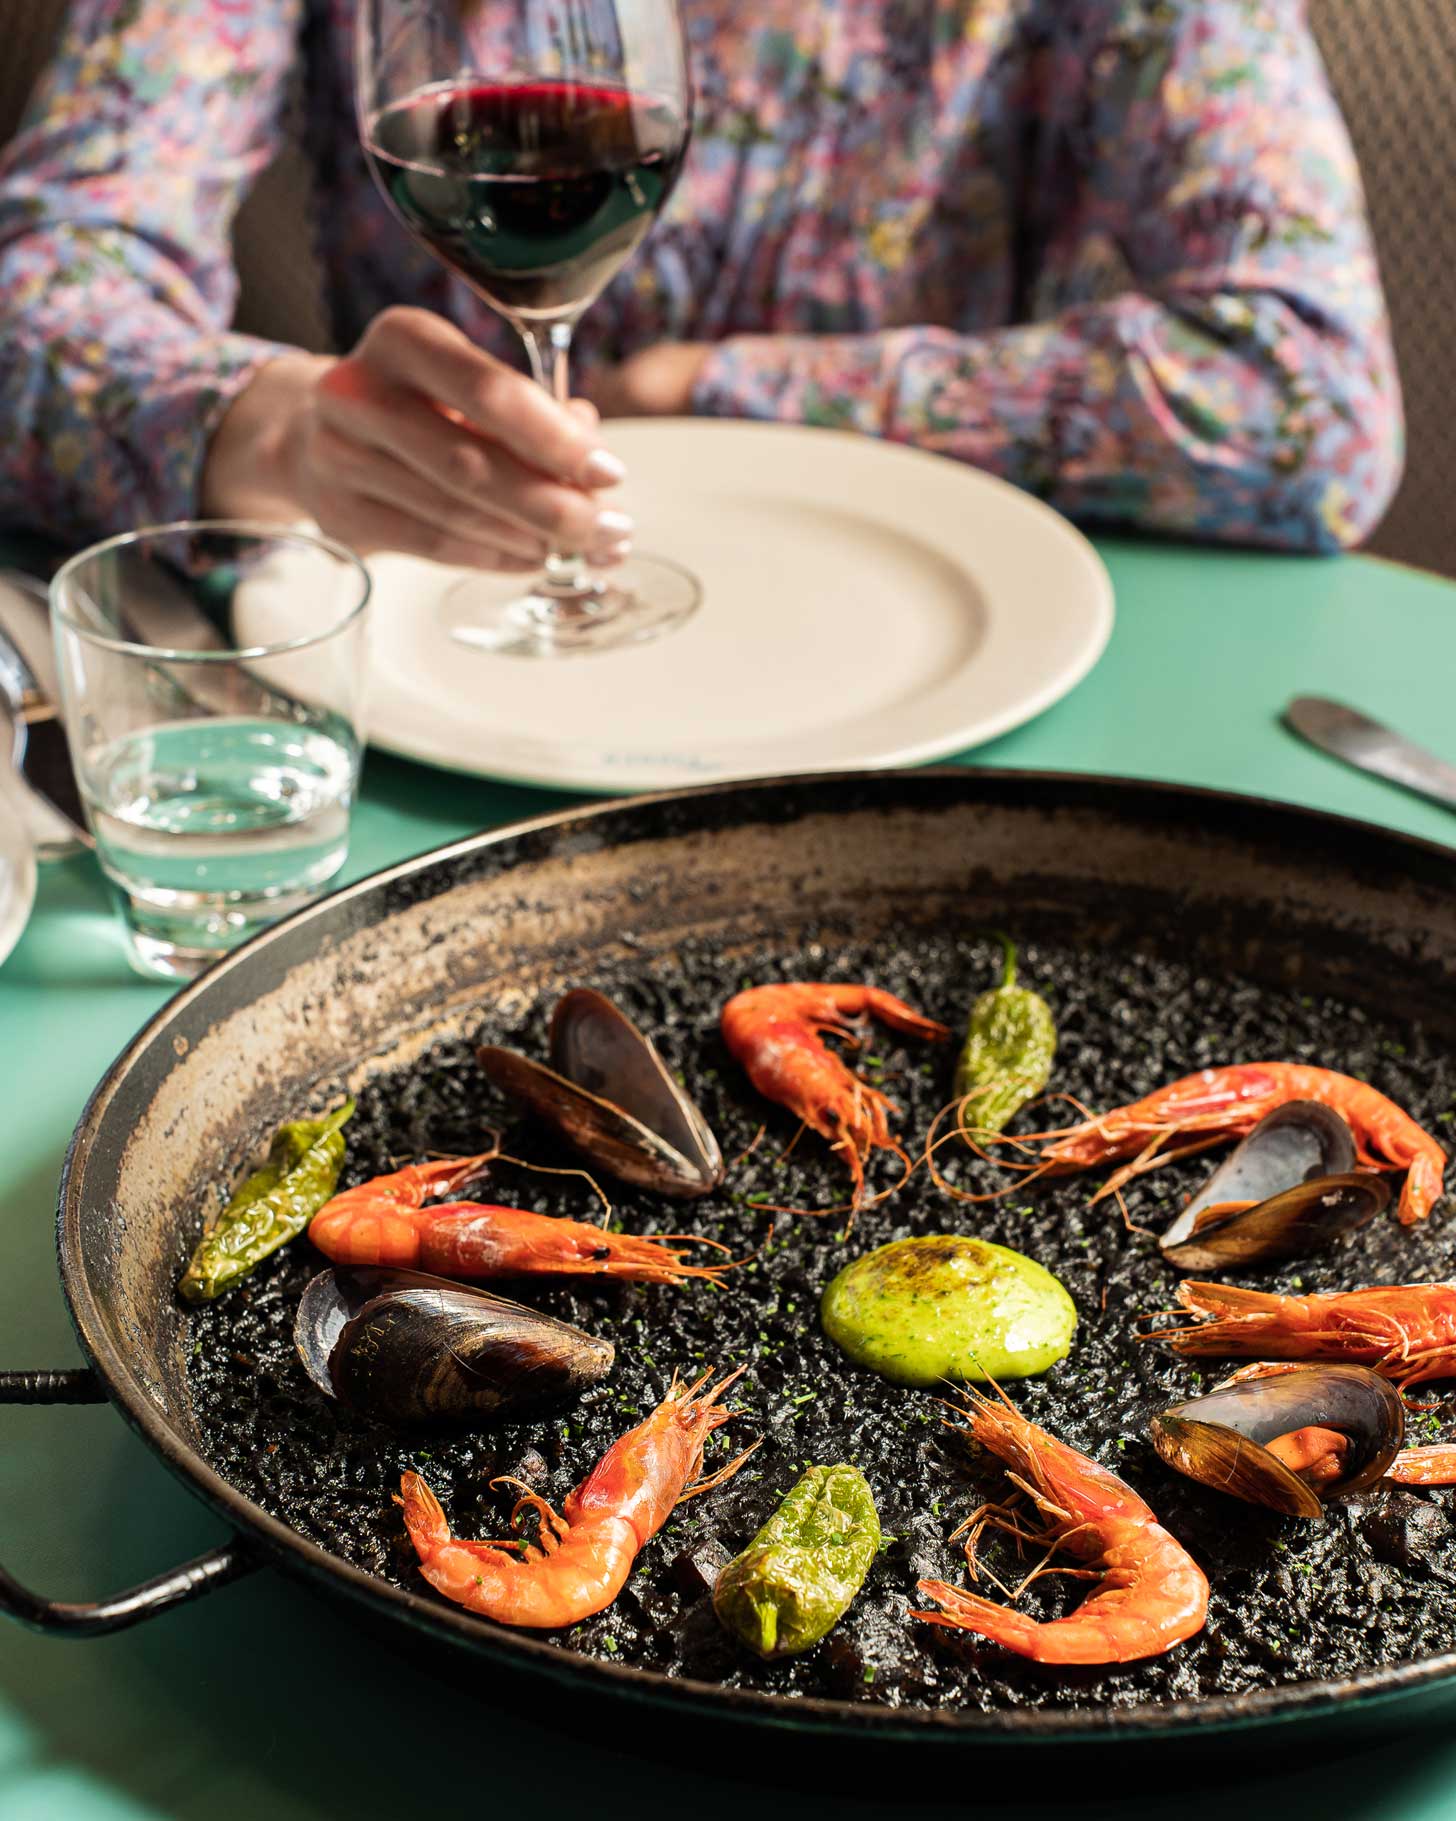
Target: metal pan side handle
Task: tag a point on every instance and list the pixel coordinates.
(90, 1618)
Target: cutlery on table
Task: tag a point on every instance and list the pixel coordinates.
(1346, 734)
(17, 877)
(39, 752)
(172, 614)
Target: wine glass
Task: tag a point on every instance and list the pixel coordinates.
(530, 144)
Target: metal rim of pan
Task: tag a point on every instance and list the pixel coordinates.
(1427, 862)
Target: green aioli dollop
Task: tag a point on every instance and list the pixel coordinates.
(919, 1311)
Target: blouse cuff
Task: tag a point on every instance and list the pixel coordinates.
(843, 382)
(172, 421)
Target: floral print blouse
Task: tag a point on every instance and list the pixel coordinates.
(1112, 250)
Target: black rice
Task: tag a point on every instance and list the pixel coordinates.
(1291, 1600)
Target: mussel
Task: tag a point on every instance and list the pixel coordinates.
(1291, 1440)
(609, 1094)
(405, 1348)
(1291, 1187)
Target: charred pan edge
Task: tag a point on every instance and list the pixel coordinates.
(1254, 820)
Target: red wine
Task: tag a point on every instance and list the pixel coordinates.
(535, 192)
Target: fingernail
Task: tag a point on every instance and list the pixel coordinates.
(613, 525)
(601, 554)
(603, 469)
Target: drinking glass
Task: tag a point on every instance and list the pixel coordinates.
(211, 679)
(529, 145)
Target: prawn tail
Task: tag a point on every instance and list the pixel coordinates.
(424, 1516)
(1230, 1318)
(961, 1610)
(1226, 1302)
(898, 1016)
(1432, 1465)
(1422, 1189)
(1081, 1637)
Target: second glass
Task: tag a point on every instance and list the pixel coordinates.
(211, 679)
(529, 145)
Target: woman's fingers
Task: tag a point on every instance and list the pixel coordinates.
(421, 352)
(464, 469)
(422, 520)
(359, 468)
(460, 458)
(418, 441)
(367, 524)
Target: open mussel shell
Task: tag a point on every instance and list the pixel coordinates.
(1222, 1440)
(1290, 1188)
(1301, 1220)
(406, 1349)
(610, 1095)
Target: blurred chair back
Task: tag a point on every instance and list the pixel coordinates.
(1393, 63)
(282, 293)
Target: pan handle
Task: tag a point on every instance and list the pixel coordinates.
(88, 1619)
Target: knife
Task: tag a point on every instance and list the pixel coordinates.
(1354, 738)
(40, 752)
(169, 612)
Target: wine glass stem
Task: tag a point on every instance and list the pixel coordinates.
(565, 582)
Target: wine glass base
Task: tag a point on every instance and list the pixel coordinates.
(638, 600)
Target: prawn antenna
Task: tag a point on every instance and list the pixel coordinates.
(723, 1473)
(748, 1150)
(546, 1169)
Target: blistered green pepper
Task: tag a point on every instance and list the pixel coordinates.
(1007, 1056)
(274, 1205)
(794, 1582)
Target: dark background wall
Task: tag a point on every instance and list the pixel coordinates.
(1394, 67)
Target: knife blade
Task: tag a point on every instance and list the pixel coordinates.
(39, 750)
(173, 614)
(1346, 734)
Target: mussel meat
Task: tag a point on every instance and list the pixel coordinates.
(610, 1095)
(405, 1348)
(1291, 1439)
(1291, 1187)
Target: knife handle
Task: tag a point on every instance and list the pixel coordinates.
(18, 686)
(54, 833)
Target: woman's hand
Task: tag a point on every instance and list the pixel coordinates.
(418, 441)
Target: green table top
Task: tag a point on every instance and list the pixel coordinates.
(258, 1701)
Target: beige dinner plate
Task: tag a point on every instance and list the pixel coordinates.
(864, 604)
(17, 876)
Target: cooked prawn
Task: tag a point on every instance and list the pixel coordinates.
(385, 1222)
(1151, 1593)
(579, 1560)
(1433, 1464)
(1228, 1103)
(1407, 1332)
(777, 1033)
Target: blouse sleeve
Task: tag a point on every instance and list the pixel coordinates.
(116, 283)
(1242, 385)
